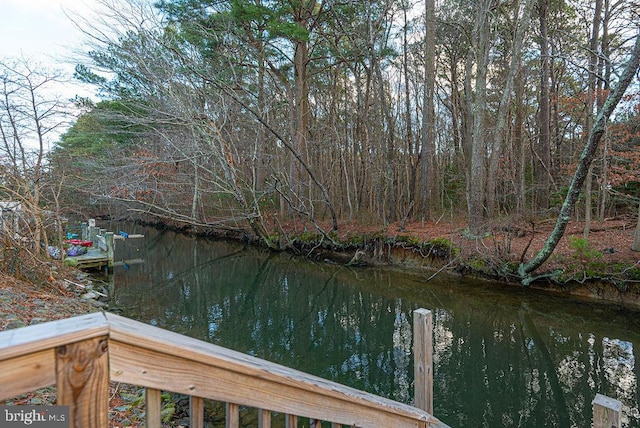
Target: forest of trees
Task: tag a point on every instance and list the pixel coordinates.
(245, 113)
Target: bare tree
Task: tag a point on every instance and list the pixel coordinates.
(238, 108)
(31, 116)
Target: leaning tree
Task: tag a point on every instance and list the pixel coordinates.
(526, 269)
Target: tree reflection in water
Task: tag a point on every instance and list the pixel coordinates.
(502, 356)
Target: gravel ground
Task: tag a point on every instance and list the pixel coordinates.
(23, 304)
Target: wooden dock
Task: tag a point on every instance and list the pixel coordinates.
(101, 253)
(94, 258)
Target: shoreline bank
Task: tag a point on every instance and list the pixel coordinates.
(603, 269)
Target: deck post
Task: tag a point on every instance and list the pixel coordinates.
(423, 359)
(82, 382)
(606, 412)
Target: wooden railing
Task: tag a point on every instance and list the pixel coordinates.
(80, 355)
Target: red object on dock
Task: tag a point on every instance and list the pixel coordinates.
(79, 242)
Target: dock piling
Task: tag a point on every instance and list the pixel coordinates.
(423, 359)
(606, 412)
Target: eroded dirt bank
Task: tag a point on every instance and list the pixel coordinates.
(602, 267)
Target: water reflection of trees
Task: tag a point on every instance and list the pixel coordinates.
(517, 373)
(497, 363)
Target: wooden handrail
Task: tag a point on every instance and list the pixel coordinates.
(69, 351)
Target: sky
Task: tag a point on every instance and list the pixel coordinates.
(39, 31)
(39, 27)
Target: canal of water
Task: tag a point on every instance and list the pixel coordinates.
(503, 356)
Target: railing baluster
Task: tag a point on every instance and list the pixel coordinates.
(315, 423)
(153, 405)
(264, 418)
(233, 416)
(291, 421)
(196, 412)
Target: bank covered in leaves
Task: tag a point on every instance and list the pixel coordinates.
(603, 268)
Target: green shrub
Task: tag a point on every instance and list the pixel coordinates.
(633, 273)
(443, 245)
(477, 264)
(308, 237)
(71, 261)
(410, 240)
(582, 250)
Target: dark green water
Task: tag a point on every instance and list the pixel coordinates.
(503, 357)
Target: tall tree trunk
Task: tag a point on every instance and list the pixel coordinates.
(525, 269)
(302, 111)
(258, 167)
(429, 175)
(467, 141)
(544, 145)
(363, 136)
(591, 99)
(520, 183)
(605, 67)
(408, 113)
(587, 204)
(479, 144)
(196, 189)
(500, 131)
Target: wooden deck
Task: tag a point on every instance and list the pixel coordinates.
(81, 355)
